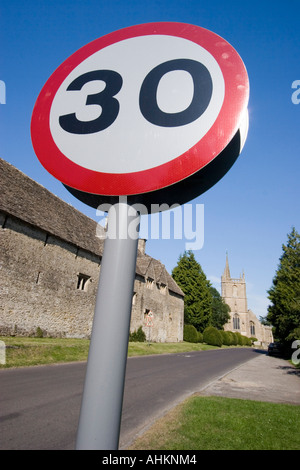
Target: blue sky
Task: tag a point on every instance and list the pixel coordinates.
(251, 210)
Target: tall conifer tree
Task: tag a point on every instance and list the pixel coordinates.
(220, 310)
(190, 277)
(284, 312)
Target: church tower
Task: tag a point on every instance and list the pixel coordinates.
(234, 294)
(242, 320)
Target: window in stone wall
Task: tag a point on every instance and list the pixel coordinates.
(162, 288)
(82, 281)
(236, 322)
(252, 328)
(146, 313)
(149, 283)
(134, 298)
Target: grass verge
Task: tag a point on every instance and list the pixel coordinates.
(216, 423)
(144, 349)
(23, 351)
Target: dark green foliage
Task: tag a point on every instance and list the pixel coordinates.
(264, 321)
(220, 310)
(39, 333)
(294, 335)
(229, 338)
(226, 338)
(190, 277)
(284, 311)
(253, 339)
(190, 334)
(239, 339)
(234, 338)
(138, 336)
(212, 336)
(243, 340)
(200, 337)
(247, 341)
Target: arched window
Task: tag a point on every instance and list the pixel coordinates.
(149, 283)
(82, 281)
(236, 322)
(252, 328)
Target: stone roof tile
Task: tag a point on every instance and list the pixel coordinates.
(29, 201)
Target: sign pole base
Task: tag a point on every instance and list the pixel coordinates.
(101, 409)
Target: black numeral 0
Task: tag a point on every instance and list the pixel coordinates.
(201, 98)
(110, 105)
(148, 97)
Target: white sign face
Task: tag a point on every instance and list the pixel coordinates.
(140, 109)
(130, 134)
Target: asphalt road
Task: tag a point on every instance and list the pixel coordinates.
(39, 406)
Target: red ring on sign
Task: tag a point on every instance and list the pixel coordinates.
(215, 140)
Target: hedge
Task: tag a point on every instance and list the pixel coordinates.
(200, 337)
(215, 337)
(190, 334)
(212, 336)
(239, 338)
(226, 337)
(233, 338)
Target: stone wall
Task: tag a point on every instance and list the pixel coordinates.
(166, 307)
(50, 261)
(48, 283)
(38, 279)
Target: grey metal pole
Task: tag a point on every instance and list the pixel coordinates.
(101, 408)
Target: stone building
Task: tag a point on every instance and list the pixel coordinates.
(242, 319)
(50, 262)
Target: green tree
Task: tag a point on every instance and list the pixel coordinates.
(190, 277)
(264, 321)
(220, 310)
(284, 311)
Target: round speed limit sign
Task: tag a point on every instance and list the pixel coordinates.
(150, 109)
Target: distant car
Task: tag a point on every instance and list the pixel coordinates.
(275, 349)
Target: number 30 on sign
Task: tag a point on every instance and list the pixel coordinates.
(140, 109)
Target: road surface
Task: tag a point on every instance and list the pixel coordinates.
(39, 406)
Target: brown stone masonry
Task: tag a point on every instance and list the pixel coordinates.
(50, 262)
